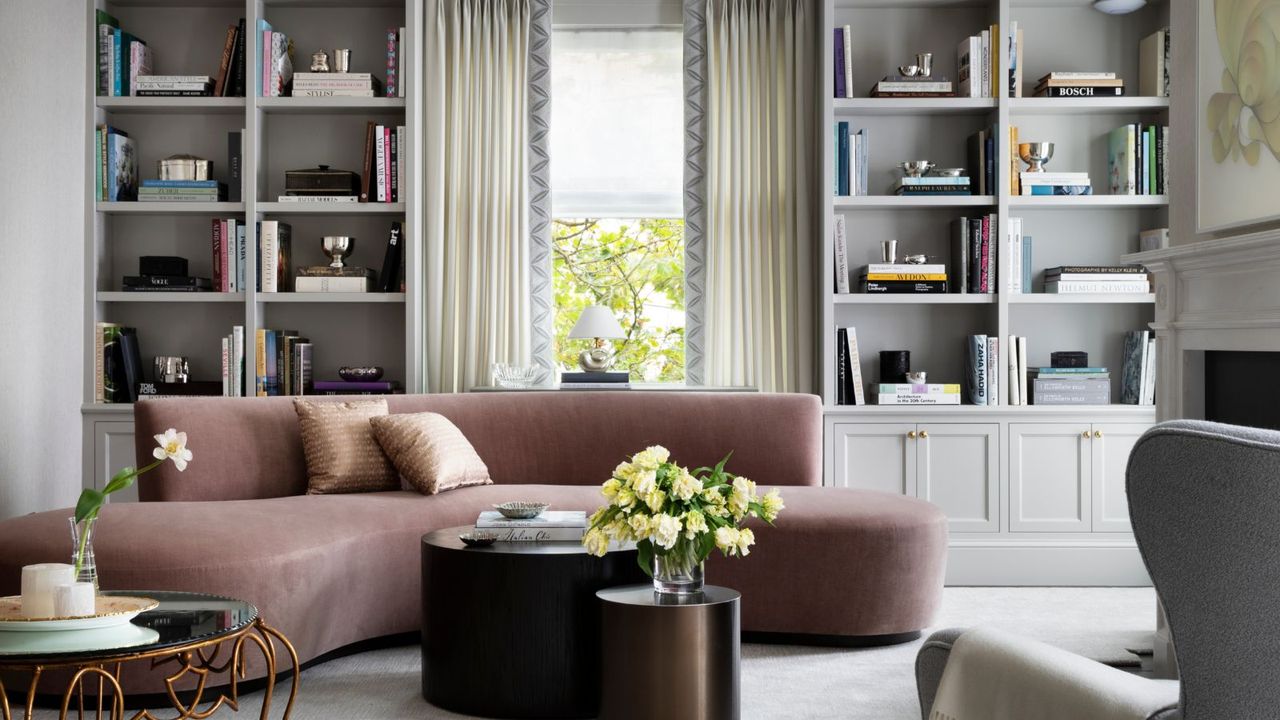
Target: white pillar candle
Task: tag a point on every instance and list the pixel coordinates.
(38, 582)
(74, 600)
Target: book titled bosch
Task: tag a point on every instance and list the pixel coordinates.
(1081, 91)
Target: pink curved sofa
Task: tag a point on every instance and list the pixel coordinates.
(332, 570)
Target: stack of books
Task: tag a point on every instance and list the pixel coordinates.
(1138, 159)
(1055, 183)
(977, 60)
(595, 381)
(327, 279)
(1089, 279)
(850, 161)
(227, 238)
(121, 58)
(174, 86)
(903, 278)
(1138, 376)
(550, 526)
(903, 86)
(1080, 84)
(910, 394)
(1071, 386)
(932, 185)
(982, 363)
(975, 253)
(309, 84)
(154, 190)
(355, 387)
(166, 283)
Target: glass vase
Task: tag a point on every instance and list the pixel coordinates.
(679, 572)
(82, 551)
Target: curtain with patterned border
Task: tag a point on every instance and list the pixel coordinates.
(486, 241)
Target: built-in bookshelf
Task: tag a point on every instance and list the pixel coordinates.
(279, 134)
(1025, 487)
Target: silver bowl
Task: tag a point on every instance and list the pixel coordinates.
(366, 373)
(1035, 154)
(916, 168)
(521, 510)
(947, 172)
(917, 378)
(478, 538)
(910, 70)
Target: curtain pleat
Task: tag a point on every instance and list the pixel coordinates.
(476, 237)
(760, 247)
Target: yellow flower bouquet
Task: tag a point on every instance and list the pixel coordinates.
(677, 517)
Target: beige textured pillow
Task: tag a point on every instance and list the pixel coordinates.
(430, 451)
(342, 456)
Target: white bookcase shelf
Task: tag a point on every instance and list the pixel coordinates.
(169, 208)
(913, 106)
(319, 208)
(913, 299)
(115, 296)
(350, 298)
(1087, 202)
(890, 202)
(1087, 106)
(172, 105)
(1083, 299)
(331, 105)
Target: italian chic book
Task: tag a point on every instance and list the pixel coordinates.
(550, 526)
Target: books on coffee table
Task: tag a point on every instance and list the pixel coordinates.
(550, 526)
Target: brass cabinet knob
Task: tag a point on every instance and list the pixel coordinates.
(1097, 433)
(924, 433)
(912, 434)
(1085, 434)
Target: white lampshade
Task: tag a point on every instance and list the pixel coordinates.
(1118, 7)
(596, 322)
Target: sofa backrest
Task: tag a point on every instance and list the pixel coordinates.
(248, 448)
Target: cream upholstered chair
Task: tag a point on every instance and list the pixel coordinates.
(1204, 499)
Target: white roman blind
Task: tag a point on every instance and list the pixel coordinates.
(617, 112)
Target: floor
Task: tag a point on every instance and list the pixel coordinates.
(785, 681)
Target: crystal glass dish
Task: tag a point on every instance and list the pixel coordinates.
(518, 376)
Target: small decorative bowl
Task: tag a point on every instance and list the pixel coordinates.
(360, 374)
(916, 168)
(518, 377)
(947, 172)
(917, 378)
(521, 510)
(478, 539)
(910, 70)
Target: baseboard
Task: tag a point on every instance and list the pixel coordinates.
(1045, 564)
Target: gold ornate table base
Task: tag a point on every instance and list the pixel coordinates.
(197, 659)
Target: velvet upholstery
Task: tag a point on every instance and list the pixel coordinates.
(331, 570)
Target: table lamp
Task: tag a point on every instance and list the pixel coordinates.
(596, 322)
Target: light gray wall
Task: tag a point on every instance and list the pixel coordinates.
(42, 122)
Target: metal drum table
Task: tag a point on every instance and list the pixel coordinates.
(670, 656)
(513, 630)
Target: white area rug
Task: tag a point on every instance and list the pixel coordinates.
(782, 681)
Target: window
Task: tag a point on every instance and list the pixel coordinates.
(617, 169)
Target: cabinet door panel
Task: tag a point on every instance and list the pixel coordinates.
(958, 469)
(1112, 443)
(875, 457)
(1049, 469)
(112, 450)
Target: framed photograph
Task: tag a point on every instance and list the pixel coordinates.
(1237, 126)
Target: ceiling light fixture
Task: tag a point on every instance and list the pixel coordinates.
(1118, 7)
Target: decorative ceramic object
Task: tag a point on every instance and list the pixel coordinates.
(518, 377)
(111, 610)
(478, 539)
(521, 510)
(365, 373)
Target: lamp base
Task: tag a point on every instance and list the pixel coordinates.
(595, 360)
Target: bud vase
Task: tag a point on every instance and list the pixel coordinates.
(677, 573)
(82, 551)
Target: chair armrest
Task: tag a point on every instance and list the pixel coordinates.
(931, 660)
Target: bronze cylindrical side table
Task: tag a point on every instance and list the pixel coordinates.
(673, 657)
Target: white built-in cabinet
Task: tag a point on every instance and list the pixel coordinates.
(1069, 477)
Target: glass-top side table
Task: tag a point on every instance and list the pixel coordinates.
(198, 634)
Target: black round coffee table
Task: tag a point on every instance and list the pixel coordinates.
(185, 634)
(513, 630)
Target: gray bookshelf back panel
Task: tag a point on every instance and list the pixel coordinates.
(296, 142)
(935, 335)
(193, 331)
(1098, 330)
(917, 231)
(183, 40)
(357, 334)
(370, 234)
(885, 37)
(188, 236)
(1074, 237)
(157, 137)
(363, 30)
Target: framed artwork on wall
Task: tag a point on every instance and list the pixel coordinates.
(1238, 113)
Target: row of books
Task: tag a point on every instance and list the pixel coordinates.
(275, 61)
(116, 169)
(1138, 374)
(977, 63)
(849, 388)
(117, 363)
(233, 384)
(1091, 279)
(982, 161)
(283, 363)
(1138, 159)
(975, 254)
(121, 58)
(384, 166)
(1021, 257)
(851, 164)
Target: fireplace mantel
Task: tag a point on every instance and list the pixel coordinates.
(1221, 294)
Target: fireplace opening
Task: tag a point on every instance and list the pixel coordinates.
(1242, 388)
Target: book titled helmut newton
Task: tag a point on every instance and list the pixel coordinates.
(550, 526)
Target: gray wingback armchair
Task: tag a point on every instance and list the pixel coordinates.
(1204, 500)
